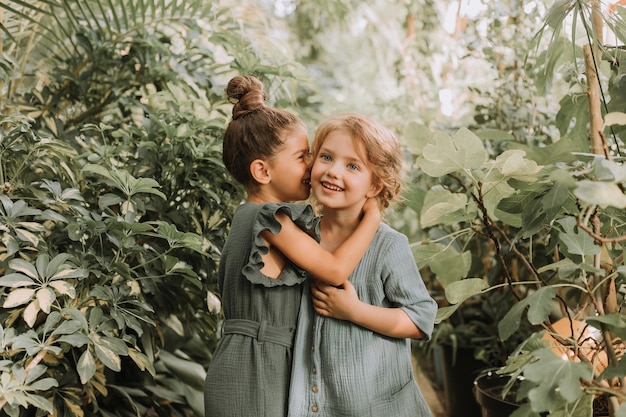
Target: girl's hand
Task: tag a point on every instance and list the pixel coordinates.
(372, 208)
(337, 302)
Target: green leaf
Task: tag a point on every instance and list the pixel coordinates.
(69, 327)
(86, 366)
(177, 239)
(24, 267)
(615, 323)
(44, 384)
(514, 164)
(96, 169)
(460, 152)
(141, 361)
(444, 207)
(540, 307)
(601, 193)
(424, 254)
(416, 136)
(108, 200)
(445, 312)
(576, 240)
(14, 280)
(125, 182)
(26, 236)
(459, 291)
(509, 165)
(45, 297)
(29, 342)
(509, 210)
(18, 297)
(116, 345)
(552, 202)
(451, 266)
(614, 118)
(574, 107)
(147, 185)
(540, 304)
(64, 288)
(53, 319)
(31, 312)
(559, 152)
(39, 401)
(553, 374)
(75, 339)
(11, 244)
(55, 265)
(108, 357)
(16, 209)
(32, 226)
(581, 407)
(607, 170)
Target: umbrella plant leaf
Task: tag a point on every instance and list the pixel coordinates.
(86, 366)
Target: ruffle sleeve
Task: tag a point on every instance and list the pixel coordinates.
(303, 216)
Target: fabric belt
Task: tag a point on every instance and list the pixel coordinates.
(261, 331)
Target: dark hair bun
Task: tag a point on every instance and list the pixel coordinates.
(247, 95)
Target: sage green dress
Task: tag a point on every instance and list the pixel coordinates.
(251, 367)
(343, 370)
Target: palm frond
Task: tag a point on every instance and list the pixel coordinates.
(52, 23)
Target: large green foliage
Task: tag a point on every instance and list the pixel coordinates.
(537, 216)
(115, 202)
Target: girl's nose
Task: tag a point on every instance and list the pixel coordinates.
(332, 170)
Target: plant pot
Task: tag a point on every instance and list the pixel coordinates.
(488, 388)
(460, 368)
(488, 393)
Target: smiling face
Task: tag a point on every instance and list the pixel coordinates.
(341, 178)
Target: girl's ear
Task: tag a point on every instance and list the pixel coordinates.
(260, 172)
(375, 189)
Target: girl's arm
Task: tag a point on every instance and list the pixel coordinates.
(333, 268)
(344, 304)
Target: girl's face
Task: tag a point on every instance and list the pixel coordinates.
(340, 178)
(291, 167)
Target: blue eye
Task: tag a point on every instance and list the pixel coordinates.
(353, 167)
(325, 157)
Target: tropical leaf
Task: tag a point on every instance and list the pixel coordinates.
(462, 152)
(554, 374)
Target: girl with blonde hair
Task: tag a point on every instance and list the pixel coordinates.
(353, 345)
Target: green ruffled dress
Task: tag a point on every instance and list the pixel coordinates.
(251, 367)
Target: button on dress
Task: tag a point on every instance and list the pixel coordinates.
(250, 370)
(343, 370)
